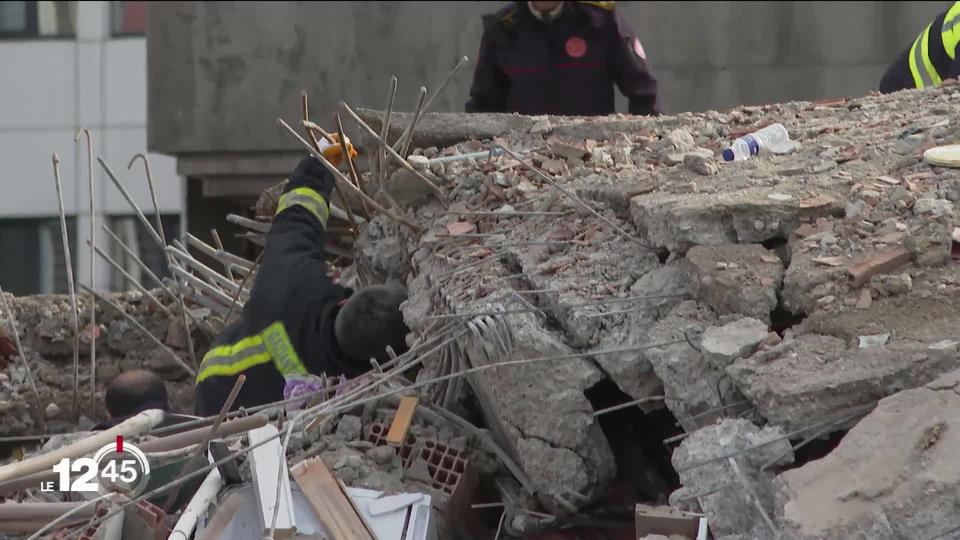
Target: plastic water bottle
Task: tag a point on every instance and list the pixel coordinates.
(773, 138)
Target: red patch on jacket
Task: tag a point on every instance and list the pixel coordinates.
(576, 47)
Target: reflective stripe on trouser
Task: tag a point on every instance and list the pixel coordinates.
(950, 31)
(309, 199)
(924, 75)
(273, 344)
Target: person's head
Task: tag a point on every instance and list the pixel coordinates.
(135, 391)
(370, 321)
(545, 7)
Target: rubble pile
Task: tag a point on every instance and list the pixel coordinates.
(46, 333)
(602, 314)
(792, 291)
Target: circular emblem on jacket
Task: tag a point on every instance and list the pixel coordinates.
(576, 47)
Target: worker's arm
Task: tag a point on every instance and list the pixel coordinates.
(488, 93)
(630, 70)
(295, 243)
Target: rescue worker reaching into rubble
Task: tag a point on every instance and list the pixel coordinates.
(560, 58)
(297, 321)
(931, 58)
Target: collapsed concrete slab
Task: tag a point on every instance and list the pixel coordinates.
(735, 278)
(543, 413)
(734, 492)
(815, 380)
(679, 221)
(894, 475)
(692, 385)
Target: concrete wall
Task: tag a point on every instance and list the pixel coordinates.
(220, 73)
(52, 88)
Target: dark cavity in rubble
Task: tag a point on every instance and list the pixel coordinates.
(643, 461)
(663, 254)
(778, 245)
(781, 319)
(816, 449)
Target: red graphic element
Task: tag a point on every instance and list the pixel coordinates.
(119, 444)
(638, 48)
(576, 47)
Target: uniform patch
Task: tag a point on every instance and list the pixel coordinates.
(638, 48)
(576, 47)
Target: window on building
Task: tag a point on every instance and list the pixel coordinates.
(25, 20)
(138, 240)
(129, 18)
(37, 245)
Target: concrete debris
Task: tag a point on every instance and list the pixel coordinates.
(608, 276)
(730, 500)
(893, 476)
(735, 278)
(724, 344)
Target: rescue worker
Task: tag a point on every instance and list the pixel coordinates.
(931, 58)
(297, 321)
(131, 393)
(560, 58)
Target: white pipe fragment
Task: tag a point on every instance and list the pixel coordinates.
(131, 428)
(205, 495)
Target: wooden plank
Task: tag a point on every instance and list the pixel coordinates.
(883, 263)
(402, 420)
(265, 463)
(330, 502)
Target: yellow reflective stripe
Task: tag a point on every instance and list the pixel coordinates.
(927, 64)
(919, 76)
(950, 31)
(234, 368)
(284, 356)
(232, 350)
(307, 198)
(273, 344)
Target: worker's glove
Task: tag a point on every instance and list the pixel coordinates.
(333, 151)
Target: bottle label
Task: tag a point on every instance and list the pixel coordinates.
(752, 144)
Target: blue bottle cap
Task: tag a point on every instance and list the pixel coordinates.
(728, 154)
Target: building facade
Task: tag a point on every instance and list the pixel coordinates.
(66, 66)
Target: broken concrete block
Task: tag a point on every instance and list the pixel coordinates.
(349, 427)
(679, 157)
(891, 285)
(633, 372)
(893, 476)
(679, 221)
(569, 151)
(705, 166)
(749, 288)
(681, 140)
(553, 166)
(540, 410)
(445, 129)
(691, 384)
(703, 468)
(724, 344)
(407, 189)
(933, 208)
(814, 379)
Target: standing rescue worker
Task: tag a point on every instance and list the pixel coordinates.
(931, 58)
(297, 321)
(560, 58)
